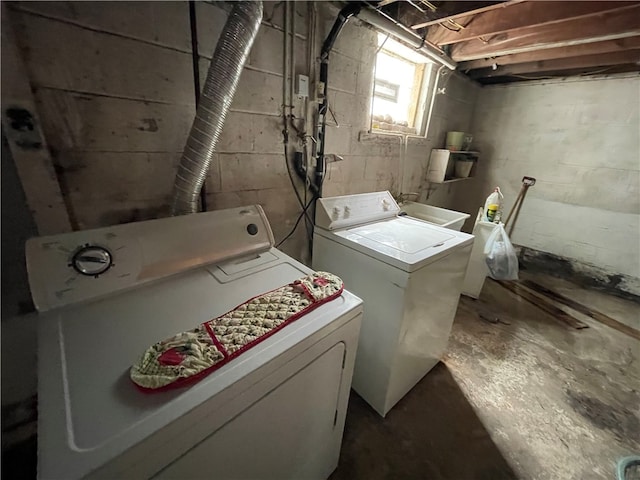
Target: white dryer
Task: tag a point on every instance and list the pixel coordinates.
(105, 295)
(409, 274)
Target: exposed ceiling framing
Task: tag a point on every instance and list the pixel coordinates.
(513, 40)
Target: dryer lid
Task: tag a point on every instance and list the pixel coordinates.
(85, 352)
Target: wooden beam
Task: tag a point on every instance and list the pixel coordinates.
(520, 15)
(29, 149)
(608, 46)
(578, 307)
(384, 2)
(601, 27)
(612, 70)
(452, 10)
(543, 304)
(582, 62)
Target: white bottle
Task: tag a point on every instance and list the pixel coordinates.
(493, 207)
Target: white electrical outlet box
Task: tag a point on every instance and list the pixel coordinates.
(303, 86)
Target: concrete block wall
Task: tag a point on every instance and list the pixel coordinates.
(114, 90)
(114, 87)
(452, 111)
(579, 138)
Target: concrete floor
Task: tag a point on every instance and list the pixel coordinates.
(528, 397)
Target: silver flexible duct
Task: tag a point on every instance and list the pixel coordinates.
(220, 86)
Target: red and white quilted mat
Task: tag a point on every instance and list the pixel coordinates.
(189, 356)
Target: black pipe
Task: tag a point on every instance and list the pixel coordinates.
(343, 17)
(195, 62)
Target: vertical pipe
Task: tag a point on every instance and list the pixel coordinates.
(195, 62)
(285, 64)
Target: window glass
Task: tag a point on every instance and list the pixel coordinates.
(398, 87)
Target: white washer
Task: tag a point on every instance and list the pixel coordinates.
(409, 274)
(276, 412)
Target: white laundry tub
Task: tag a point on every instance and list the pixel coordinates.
(435, 215)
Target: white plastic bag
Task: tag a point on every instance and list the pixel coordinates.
(500, 255)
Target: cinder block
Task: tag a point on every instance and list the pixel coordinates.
(274, 14)
(247, 133)
(338, 140)
(252, 172)
(614, 262)
(238, 134)
(96, 123)
(98, 213)
(257, 92)
(343, 73)
(580, 251)
(267, 50)
(366, 68)
(363, 144)
(221, 200)
(119, 176)
(350, 170)
(210, 22)
(267, 134)
(164, 23)
(111, 65)
(381, 168)
(344, 107)
(356, 41)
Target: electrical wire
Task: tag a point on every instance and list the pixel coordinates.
(293, 184)
(295, 226)
(449, 28)
(304, 213)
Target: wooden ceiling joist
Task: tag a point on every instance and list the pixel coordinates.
(614, 69)
(602, 27)
(384, 2)
(450, 11)
(581, 62)
(608, 46)
(520, 15)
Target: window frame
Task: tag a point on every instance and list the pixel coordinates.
(421, 95)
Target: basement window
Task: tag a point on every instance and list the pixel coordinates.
(400, 91)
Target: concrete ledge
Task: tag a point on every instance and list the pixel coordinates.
(584, 274)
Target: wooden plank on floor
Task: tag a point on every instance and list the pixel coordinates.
(543, 304)
(578, 307)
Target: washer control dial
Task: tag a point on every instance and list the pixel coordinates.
(92, 260)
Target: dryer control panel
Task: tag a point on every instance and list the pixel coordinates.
(349, 210)
(78, 266)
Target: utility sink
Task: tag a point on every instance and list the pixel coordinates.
(434, 215)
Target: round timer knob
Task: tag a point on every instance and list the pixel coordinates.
(92, 260)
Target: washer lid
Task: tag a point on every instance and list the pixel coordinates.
(403, 242)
